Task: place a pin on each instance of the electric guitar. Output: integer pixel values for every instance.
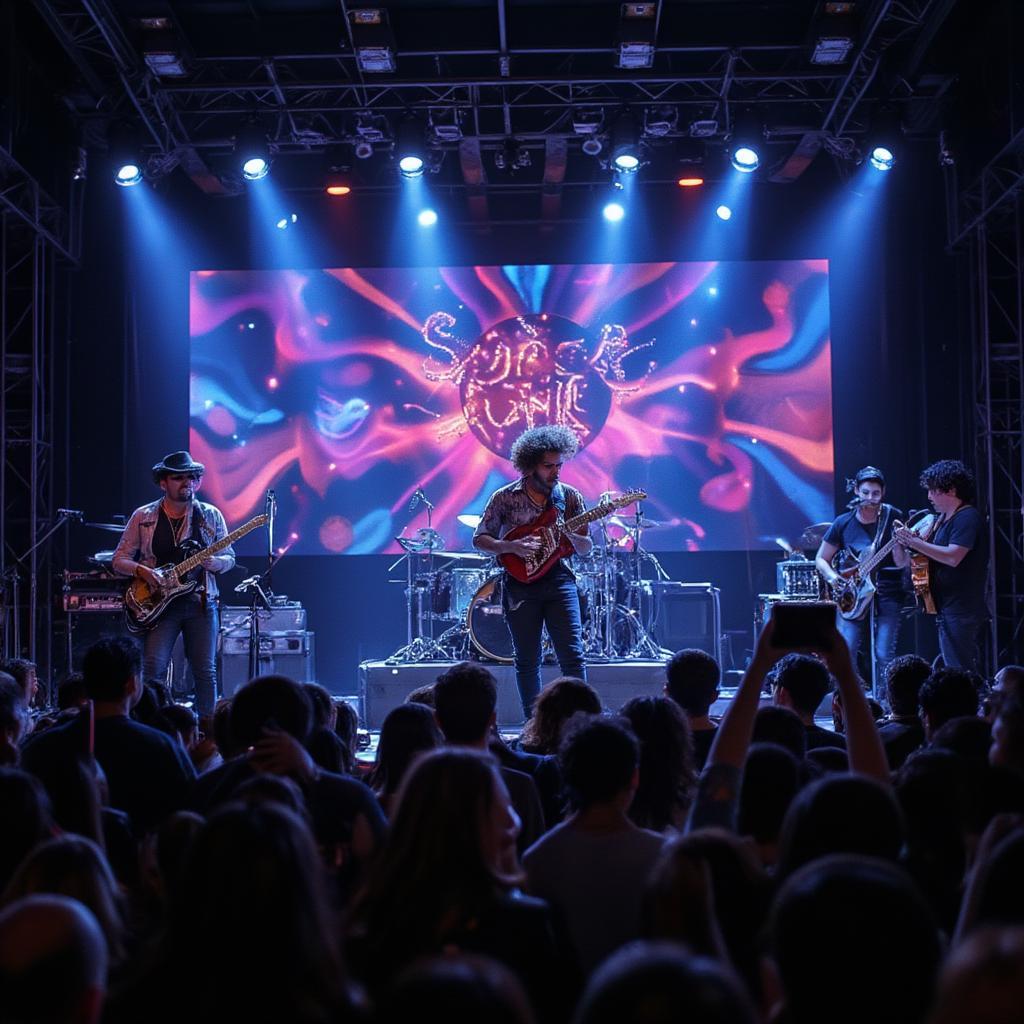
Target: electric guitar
(143, 605)
(854, 589)
(554, 540)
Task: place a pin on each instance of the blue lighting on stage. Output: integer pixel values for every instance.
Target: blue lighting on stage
(882, 158)
(427, 218)
(128, 175)
(255, 168)
(723, 212)
(745, 159)
(614, 211)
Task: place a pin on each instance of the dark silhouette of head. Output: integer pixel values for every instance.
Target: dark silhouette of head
(947, 693)
(269, 702)
(599, 759)
(783, 727)
(407, 731)
(692, 677)
(464, 701)
(110, 666)
(804, 682)
(904, 677)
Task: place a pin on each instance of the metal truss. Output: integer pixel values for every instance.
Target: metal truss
(28, 314)
(309, 102)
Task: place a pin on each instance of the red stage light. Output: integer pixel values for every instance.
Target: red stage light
(690, 182)
(338, 190)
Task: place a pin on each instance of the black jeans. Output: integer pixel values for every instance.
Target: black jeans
(554, 602)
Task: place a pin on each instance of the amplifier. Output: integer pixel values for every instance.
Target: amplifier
(288, 617)
(93, 592)
(281, 654)
(679, 615)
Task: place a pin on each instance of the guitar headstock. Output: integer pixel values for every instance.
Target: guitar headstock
(628, 498)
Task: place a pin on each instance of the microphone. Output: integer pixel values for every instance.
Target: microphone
(71, 513)
(416, 495)
(271, 503)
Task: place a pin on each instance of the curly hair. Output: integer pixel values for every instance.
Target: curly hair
(529, 447)
(949, 475)
(555, 705)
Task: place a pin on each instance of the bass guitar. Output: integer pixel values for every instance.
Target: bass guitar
(143, 604)
(854, 589)
(553, 534)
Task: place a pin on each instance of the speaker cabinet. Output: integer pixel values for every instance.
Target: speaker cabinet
(684, 615)
(281, 654)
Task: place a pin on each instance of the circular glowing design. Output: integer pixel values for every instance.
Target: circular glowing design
(427, 218)
(882, 158)
(627, 161)
(745, 159)
(255, 167)
(614, 212)
(411, 166)
(723, 212)
(128, 174)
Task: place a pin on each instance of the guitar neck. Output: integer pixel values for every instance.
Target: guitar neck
(193, 561)
(877, 557)
(597, 512)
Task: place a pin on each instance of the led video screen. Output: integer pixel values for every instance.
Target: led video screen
(708, 385)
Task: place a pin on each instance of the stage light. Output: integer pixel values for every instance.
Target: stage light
(746, 136)
(409, 149)
(882, 158)
(723, 212)
(427, 218)
(745, 159)
(625, 144)
(614, 211)
(338, 190)
(285, 221)
(252, 152)
(128, 174)
(690, 181)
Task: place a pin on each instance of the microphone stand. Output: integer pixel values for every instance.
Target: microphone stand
(258, 596)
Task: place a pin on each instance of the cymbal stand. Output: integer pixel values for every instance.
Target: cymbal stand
(644, 644)
(422, 646)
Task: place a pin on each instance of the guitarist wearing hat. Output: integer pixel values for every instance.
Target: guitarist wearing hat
(166, 532)
(854, 537)
(552, 600)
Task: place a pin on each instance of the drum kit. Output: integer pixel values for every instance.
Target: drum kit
(455, 609)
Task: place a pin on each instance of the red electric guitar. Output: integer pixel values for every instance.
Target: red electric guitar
(554, 544)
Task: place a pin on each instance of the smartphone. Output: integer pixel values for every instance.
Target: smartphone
(803, 624)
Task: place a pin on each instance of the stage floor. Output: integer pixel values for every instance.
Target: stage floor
(383, 686)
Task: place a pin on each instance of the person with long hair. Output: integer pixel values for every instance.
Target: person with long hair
(667, 775)
(447, 878)
(407, 731)
(557, 702)
(249, 935)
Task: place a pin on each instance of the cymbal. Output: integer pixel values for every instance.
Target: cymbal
(469, 556)
(813, 534)
(101, 558)
(469, 520)
(631, 524)
(113, 527)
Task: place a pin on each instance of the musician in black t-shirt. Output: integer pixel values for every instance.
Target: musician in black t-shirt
(854, 537)
(958, 551)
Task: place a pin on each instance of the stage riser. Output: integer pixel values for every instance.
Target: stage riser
(383, 687)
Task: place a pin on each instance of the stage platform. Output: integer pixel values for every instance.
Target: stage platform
(383, 686)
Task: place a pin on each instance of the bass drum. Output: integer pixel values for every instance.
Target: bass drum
(487, 626)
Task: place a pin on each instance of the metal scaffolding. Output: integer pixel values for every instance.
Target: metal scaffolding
(36, 240)
(987, 221)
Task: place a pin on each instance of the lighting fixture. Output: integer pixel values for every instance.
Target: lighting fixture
(625, 145)
(252, 152)
(746, 137)
(882, 158)
(637, 31)
(373, 40)
(723, 212)
(427, 218)
(614, 211)
(409, 149)
(834, 30)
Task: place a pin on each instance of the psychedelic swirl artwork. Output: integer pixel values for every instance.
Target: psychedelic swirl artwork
(345, 390)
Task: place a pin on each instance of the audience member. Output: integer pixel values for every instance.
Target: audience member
(14, 720)
(903, 733)
(447, 878)
(662, 983)
(1007, 749)
(667, 777)
(840, 814)
(53, 962)
(556, 703)
(465, 703)
(27, 819)
(251, 906)
(782, 727)
(822, 761)
(421, 695)
(71, 692)
(75, 867)
(23, 672)
(945, 694)
(148, 773)
(270, 721)
(771, 780)
(801, 684)
(692, 679)
(458, 989)
(982, 981)
(1007, 680)
(593, 867)
(969, 736)
(407, 731)
(832, 913)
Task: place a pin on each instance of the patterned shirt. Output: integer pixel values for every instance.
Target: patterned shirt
(511, 506)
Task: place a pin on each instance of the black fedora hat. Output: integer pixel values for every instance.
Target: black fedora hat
(177, 462)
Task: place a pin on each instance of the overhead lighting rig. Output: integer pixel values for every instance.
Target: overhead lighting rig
(637, 31)
(373, 40)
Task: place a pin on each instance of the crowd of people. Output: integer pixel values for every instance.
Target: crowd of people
(648, 863)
